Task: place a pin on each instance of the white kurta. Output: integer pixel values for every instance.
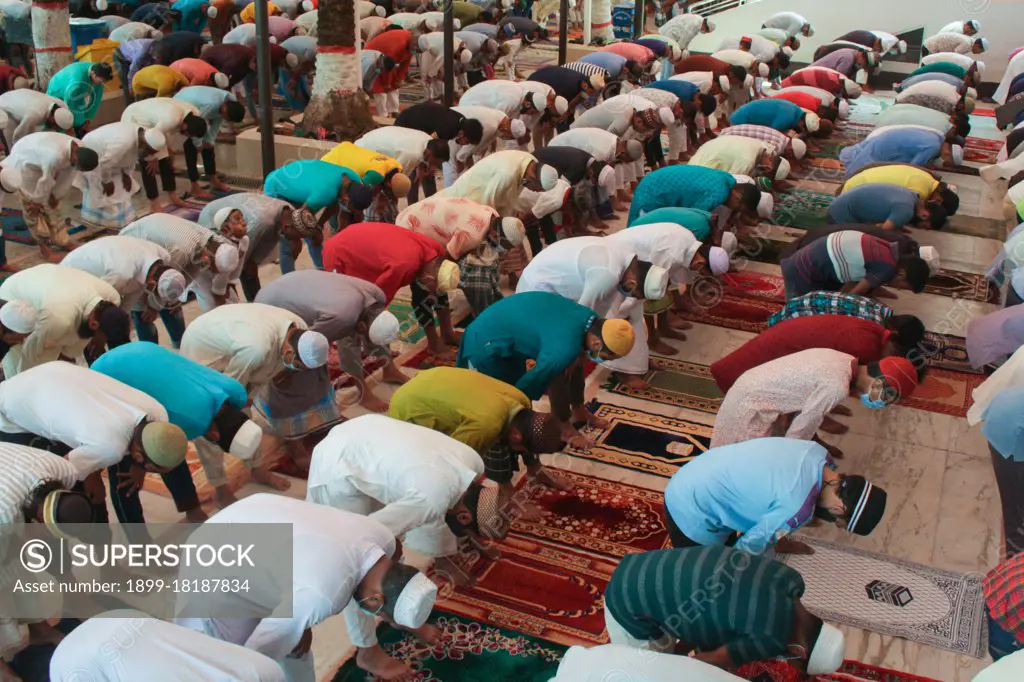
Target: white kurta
(702, 79)
(27, 111)
(122, 262)
(44, 160)
(964, 60)
(953, 27)
(618, 663)
(495, 181)
(505, 96)
(583, 269)
(406, 477)
(406, 145)
(159, 652)
(63, 297)
(89, 412)
(490, 119)
(682, 29)
(790, 22)
(598, 143)
(950, 42)
(117, 145)
(762, 48)
(940, 89)
(165, 114)
(1009, 374)
(332, 551)
(889, 41)
(1013, 69)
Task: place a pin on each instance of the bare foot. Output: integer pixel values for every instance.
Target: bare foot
(662, 348)
(224, 497)
(842, 411)
(176, 200)
(441, 351)
(576, 439)
(582, 414)
(393, 375)
(677, 322)
(155, 207)
(791, 546)
(427, 633)
(546, 477)
(218, 185)
(528, 511)
(275, 481)
(7, 267)
(453, 339)
(670, 332)
(200, 193)
(375, 661)
(619, 207)
(372, 402)
(830, 425)
(634, 381)
(196, 515)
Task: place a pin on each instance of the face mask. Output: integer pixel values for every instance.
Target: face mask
(624, 290)
(876, 404)
(595, 357)
(368, 612)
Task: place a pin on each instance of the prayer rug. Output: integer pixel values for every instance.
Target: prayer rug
(651, 443)
(802, 208)
(945, 351)
(980, 150)
(851, 671)
(599, 516)
(467, 650)
(234, 469)
(537, 588)
(409, 329)
(676, 382)
(973, 226)
(882, 594)
(15, 230)
(755, 285)
(945, 392)
(820, 170)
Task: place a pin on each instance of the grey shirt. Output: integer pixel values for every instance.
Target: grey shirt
(261, 217)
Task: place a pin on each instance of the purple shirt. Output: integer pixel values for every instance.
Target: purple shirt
(995, 336)
(842, 61)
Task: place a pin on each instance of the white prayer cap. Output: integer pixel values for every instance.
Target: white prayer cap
(607, 177)
(958, 155)
(930, 255)
(465, 56)
(548, 177)
(799, 147)
(210, 12)
(828, 652)
(656, 283)
(748, 82)
(712, 121)
(723, 82)
(170, 286)
(766, 205)
(561, 105)
(415, 602)
(540, 102)
(518, 129)
(63, 118)
(313, 348)
(844, 109)
(226, 258)
(307, 5)
(292, 60)
(21, 82)
(718, 260)
(596, 81)
(246, 442)
(872, 60)
(221, 217)
(667, 117)
(379, 11)
(710, 23)
(981, 67)
(19, 317)
(634, 149)
(861, 78)
(783, 172)
(102, 5)
(763, 70)
(513, 230)
(853, 90)
(810, 30)
(902, 46)
(10, 179)
(221, 80)
(975, 24)
(788, 51)
(812, 122)
(654, 68)
(448, 275)
(674, 53)
(384, 328)
(983, 42)
(155, 139)
(730, 243)
(273, 40)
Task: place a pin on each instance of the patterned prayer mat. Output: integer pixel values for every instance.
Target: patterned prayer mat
(879, 593)
(945, 392)
(651, 443)
(538, 588)
(736, 312)
(820, 170)
(981, 150)
(676, 382)
(851, 671)
(802, 208)
(600, 516)
(945, 351)
(468, 650)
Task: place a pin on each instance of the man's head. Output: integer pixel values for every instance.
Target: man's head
(151, 141)
(744, 197)
(83, 158)
(880, 384)
(608, 339)
(17, 320)
(193, 125)
(235, 433)
(101, 73)
(707, 26)
(980, 45)
(782, 61)
(60, 118)
(436, 153)
(737, 76)
(807, 30)
(540, 177)
(505, 233)
(816, 647)
(402, 593)
(50, 503)
(948, 198)
(850, 501)
(158, 446)
(164, 286)
(628, 150)
(971, 27)
(912, 272)
(906, 332)
(296, 224)
(438, 276)
(511, 129)
(951, 154)
(379, 325)
(534, 432)
(106, 324)
(232, 111)
(470, 131)
(230, 222)
(706, 102)
(304, 349)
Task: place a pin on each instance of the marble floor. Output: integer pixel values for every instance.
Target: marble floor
(944, 507)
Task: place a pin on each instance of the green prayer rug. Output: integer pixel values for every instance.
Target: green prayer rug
(676, 382)
(974, 226)
(802, 208)
(468, 650)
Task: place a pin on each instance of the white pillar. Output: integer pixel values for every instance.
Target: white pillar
(588, 15)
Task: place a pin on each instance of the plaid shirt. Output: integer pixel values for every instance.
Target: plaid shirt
(833, 303)
(763, 133)
(1004, 595)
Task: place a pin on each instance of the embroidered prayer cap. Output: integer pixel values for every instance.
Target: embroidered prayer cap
(868, 506)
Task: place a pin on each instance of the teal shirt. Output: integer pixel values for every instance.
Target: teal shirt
(941, 67)
(683, 186)
(533, 325)
(73, 85)
(693, 219)
(314, 183)
(191, 393)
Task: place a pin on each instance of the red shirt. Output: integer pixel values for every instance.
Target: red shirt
(851, 335)
(394, 44)
(1004, 595)
(387, 255)
(804, 100)
(703, 62)
(7, 76)
(825, 79)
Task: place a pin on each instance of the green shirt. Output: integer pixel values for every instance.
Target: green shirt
(466, 12)
(941, 67)
(708, 597)
(693, 219)
(73, 85)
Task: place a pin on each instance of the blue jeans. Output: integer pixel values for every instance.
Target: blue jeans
(173, 321)
(300, 99)
(249, 86)
(1000, 642)
(284, 255)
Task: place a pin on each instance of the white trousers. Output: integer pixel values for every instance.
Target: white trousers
(618, 635)
(386, 103)
(299, 669)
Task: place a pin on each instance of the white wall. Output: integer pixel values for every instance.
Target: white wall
(1002, 22)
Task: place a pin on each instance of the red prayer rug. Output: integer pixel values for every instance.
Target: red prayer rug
(852, 671)
(981, 150)
(945, 391)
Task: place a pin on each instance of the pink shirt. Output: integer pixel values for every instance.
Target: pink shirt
(630, 51)
(458, 224)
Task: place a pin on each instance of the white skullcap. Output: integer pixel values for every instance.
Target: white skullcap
(902, 46)
(596, 81)
(763, 70)
(766, 205)
(20, 82)
(415, 602)
(983, 42)
(799, 147)
(872, 60)
(210, 12)
(307, 5)
(975, 24)
(448, 275)
(540, 102)
(63, 118)
(723, 82)
(10, 179)
(783, 172)
(718, 260)
(788, 51)
(861, 78)
(844, 109)
(634, 149)
(971, 93)
(170, 286)
(748, 82)
(729, 243)
(492, 45)
(667, 117)
(548, 177)
(465, 56)
(155, 139)
(828, 651)
(379, 11)
(221, 80)
(712, 121)
(246, 442)
(654, 68)
(710, 24)
(102, 5)
(607, 178)
(313, 348)
(930, 255)
(518, 129)
(742, 179)
(221, 217)
(273, 40)
(674, 53)
(561, 105)
(812, 122)
(810, 30)
(19, 316)
(853, 90)
(291, 60)
(656, 283)
(384, 329)
(226, 258)
(958, 155)
(981, 67)
(513, 230)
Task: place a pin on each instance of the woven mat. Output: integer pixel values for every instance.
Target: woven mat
(939, 608)
(675, 382)
(851, 671)
(802, 208)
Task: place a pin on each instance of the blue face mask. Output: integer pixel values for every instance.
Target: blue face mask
(595, 358)
(624, 290)
(876, 404)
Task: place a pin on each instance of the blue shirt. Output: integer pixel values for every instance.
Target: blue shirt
(773, 113)
(763, 488)
(1003, 426)
(684, 90)
(191, 393)
(921, 78)
(208, 100)
(874, 203)
(681, 186)
(609, 61)
(905, 145)
(313, 183)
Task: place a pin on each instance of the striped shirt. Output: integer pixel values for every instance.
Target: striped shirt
(833, 303)
(587, 69)
(23, 469)
(183, 239)
(1004, 595)
(708, 597)
(262, 220)
(763, 133)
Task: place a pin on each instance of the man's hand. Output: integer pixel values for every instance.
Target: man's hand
(302, 648)
(296, 248)
(131, 480)
(108, 189)
(149, 315)
(94, 488)
(152, 166)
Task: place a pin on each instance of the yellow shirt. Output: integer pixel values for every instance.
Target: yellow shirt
(912, 178)
(371, 166)
(157, 80)
(248, 15)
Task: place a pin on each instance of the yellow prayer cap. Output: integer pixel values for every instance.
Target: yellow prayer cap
(165, 444)
(447, 277)
(400, 185)
(618, 336)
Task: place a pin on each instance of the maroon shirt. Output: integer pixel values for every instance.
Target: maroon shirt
(231, 60)
(704, 62)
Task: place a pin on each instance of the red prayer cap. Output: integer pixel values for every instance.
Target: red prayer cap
(899, 374)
